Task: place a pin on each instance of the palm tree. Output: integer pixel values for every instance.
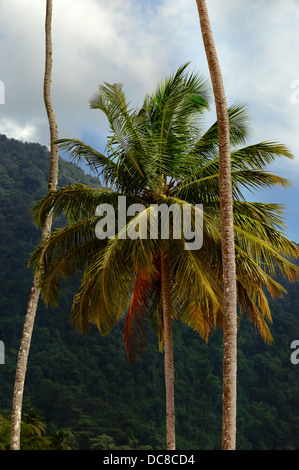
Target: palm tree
(33, 423)
(160, 154)
(228, 244)
(60, 441)
(35, 289)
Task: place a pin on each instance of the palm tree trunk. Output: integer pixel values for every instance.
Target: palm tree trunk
(228, 249)
(35, 290)
(168, 355)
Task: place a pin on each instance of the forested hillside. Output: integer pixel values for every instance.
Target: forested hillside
(84, 384)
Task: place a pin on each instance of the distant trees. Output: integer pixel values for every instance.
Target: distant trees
(105, 442)
(4, 433)
(34, 422)
(33, 434)
(60, 441)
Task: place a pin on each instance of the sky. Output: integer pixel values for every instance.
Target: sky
(138, 43)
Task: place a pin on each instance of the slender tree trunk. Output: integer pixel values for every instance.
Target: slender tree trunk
(35, 290)
(168, 357)
(228, 248)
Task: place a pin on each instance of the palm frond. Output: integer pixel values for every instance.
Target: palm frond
(196, 286)
(65, 253)
(138, 319)
(77, 201)
(79, 152)
(127, 125)
(173, 110)
(257, 156)
(207, 145)
(249, 303)
(266, 222)
(203, 186)
(266, 255)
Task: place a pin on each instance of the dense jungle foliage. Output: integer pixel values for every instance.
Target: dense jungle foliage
(80, 391)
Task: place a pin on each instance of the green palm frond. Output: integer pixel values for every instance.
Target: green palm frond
(206, 146)
(86, 312)
(250, 268)
(77, 201)
(247, 173)
(203, 187)
(257, 156)
(110, 277)
(129, 138)
(257, 308)
(267, 256)
(64, 254)
(79, 152)
(265, 221)
(173, 110)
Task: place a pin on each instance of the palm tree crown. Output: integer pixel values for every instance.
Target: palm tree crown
(160, 154)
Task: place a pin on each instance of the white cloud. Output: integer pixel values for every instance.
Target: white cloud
(26, 133)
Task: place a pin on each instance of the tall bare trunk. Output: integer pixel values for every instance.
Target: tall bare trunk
(35, 290)
(228, 248)
(168, 355)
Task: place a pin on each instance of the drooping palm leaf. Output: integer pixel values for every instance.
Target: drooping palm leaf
(137, 321)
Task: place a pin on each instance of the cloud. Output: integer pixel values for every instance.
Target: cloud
(133, 42)
(27, 133)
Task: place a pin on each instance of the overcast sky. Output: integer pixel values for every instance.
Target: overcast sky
(138, 43)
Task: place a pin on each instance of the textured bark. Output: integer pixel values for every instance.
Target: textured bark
(228, 248)
(53, 172)
(168, 355)
(35, 290)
